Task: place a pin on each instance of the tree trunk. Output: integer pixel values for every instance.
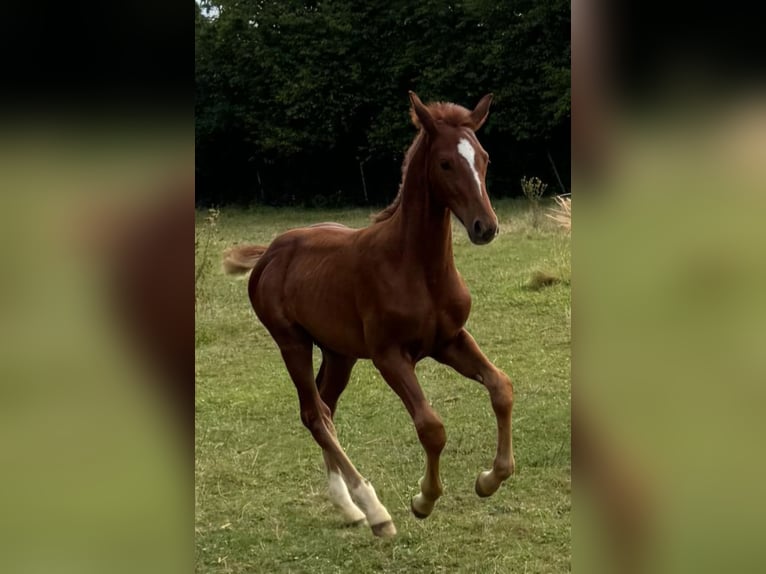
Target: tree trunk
(364, 183)
(561, 185)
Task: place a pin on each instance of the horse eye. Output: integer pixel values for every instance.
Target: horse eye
(445, 165)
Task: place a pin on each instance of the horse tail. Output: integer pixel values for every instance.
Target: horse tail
(241, 259)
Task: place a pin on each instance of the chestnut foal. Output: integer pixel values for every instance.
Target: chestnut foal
(389, 292)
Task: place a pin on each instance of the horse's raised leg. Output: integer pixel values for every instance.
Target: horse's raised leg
(399, 373)
(317, 417)
(464, 355)
(331, 381)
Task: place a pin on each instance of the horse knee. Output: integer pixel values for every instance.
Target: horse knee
(431, 432)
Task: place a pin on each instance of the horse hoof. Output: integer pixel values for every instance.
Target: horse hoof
(384, 529)
(356, 523)
(481, 490)
(422, 512)
(416, 512)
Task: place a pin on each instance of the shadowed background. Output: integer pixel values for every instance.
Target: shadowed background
(305, 103)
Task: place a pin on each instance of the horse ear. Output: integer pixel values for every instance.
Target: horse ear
(481, 111)
(420, 114)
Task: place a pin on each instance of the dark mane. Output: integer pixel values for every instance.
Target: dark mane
(446, 112)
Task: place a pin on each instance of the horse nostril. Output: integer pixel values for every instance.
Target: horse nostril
(477, 229)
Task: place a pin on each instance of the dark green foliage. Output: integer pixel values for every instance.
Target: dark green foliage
(297, 101)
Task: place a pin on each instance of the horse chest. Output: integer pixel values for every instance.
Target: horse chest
(426, 322)
(452, 314)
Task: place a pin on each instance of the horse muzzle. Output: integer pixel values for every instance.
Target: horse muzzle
(482, 232)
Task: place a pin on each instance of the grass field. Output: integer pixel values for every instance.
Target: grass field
(261, 501)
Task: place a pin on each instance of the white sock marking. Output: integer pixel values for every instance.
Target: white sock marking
(341, 499)
(465, 149)
(365, 497)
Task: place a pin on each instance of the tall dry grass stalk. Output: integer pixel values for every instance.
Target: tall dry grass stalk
(563, 213)
(534, 189)
(202, 241)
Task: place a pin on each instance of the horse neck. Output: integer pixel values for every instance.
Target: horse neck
(424, 223)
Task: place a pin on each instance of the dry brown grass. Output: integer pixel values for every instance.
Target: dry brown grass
(540, 279)
(563, 213)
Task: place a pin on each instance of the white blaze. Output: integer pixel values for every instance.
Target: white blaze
(465, 149)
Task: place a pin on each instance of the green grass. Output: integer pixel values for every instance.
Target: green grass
(260, 482)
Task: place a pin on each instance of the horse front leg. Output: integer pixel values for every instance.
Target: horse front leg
(464, 355)
(399, 373)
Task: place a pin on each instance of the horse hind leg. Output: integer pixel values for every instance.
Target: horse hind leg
(331, 381)
(333, 377)
(340, 497)
(296, 351)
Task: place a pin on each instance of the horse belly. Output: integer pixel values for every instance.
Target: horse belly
(336, 329)
(325, 307)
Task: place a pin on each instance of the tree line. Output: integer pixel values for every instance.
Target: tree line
(305, 102)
